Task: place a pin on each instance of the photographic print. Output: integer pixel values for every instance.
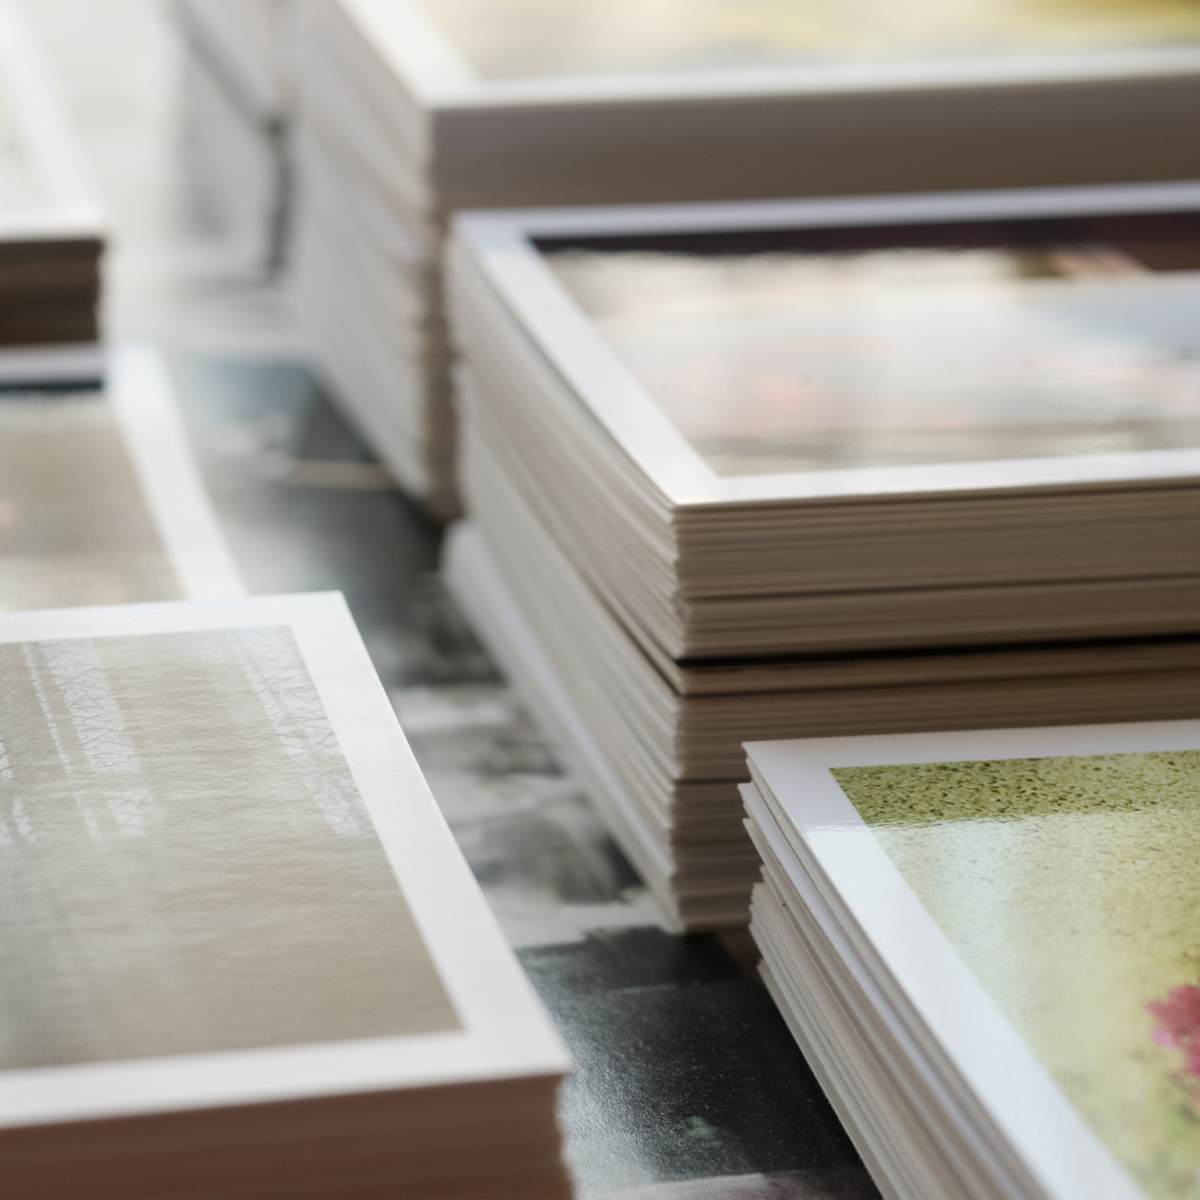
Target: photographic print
(75, 525)
(1068, 886)
(187, 861)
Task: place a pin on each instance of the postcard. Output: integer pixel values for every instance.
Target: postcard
(1034, 893)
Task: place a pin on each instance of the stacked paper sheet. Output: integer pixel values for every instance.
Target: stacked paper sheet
(983, 944)
(297, 989)
(237, 121)
(100, 501)
(51, 230)
(823, 398)
(410, 109)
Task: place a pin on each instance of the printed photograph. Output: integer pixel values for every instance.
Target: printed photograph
(192, 863)
(776, 361)
(1068, 886)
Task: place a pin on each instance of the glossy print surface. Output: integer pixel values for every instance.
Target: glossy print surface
(774, 361)
(1069, 888)
(188, 866)
(515, 39)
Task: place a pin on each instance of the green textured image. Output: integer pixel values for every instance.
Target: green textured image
(1071, 889)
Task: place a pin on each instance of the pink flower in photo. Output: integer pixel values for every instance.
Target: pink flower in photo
(1178, 1024)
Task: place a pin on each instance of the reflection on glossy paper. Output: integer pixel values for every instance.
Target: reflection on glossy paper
(799, 361)
(74, 524)
(507, 39)
(1069, 888)
(186, 864)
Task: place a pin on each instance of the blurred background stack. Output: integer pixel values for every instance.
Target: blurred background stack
(409, 109)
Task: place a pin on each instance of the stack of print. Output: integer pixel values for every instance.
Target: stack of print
(985, 945)
(826, 467)
(297, 988)
(237, 97)
(51, 230)
(412, 108)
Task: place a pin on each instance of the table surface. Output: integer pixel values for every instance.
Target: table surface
(687, 1082)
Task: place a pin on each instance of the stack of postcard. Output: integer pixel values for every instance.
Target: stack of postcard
(51, 230)
(100, 501)
(237, 112)
(772, 470)
(985, 945)
(412, 108)
(295, 987)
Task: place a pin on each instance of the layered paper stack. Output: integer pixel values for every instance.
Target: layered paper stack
(826, 468)
(295, 987)
(410, 109)
(100, 500)
(52, 232)
(237, 110)
(985, 945)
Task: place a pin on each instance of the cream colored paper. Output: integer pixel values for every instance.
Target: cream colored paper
(186, 863)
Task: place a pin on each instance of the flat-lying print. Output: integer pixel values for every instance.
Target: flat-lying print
(186, 864)
(778, 361)
(1069, 887)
